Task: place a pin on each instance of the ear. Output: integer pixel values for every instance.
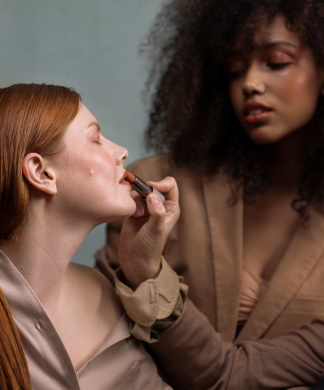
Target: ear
(39, 174)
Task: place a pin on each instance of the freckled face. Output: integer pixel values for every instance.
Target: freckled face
(274, 89)
(89, 172)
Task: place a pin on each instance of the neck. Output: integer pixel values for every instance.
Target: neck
(42, 252)
(286, 161)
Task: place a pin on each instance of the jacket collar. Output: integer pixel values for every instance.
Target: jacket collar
(301, 257)
(226, 232)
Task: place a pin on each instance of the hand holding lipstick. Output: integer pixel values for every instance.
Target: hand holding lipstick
(144, 235)
(141, 187)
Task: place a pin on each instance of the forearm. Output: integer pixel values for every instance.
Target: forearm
(193, 356)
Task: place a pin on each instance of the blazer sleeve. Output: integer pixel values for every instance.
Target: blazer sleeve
(194, 357)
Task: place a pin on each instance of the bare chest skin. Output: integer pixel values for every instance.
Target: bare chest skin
(86, 316)
(269, 226)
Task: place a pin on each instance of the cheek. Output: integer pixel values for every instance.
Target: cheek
(100, 171)
(302, 95)
(300, 88)
(94, 170)
(236, 98)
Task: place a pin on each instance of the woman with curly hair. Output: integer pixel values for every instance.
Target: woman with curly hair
(237, 115)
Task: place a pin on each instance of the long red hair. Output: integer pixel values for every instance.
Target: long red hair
(33, 118)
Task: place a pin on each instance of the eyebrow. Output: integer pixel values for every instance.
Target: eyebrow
(96, 125)
(269, 45)
(265, 46)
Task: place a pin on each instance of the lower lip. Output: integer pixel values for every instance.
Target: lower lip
(124, 182)
(258, 118)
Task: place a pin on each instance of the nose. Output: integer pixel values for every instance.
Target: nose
(120, 154)
(253, 82)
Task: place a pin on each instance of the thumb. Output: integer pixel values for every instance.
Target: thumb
(157, 211)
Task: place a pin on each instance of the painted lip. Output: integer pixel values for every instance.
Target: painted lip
(123, 179)
(256, 113)
(140, 186)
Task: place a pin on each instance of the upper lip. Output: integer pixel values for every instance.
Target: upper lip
(123, 177)
(250, 106)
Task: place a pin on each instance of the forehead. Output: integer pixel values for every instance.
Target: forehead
(82, 120)
(264, 34)
(80, 127)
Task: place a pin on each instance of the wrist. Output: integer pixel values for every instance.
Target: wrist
(135, 277)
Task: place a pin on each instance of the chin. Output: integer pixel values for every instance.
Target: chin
(117, 212)
(128, 209)
(262, 141)
(261, 136)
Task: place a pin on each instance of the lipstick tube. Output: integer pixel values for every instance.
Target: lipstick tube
(141, 187)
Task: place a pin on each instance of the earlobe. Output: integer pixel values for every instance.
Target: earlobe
(38, 174)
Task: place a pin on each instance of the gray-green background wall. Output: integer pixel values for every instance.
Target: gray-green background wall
(92, 46)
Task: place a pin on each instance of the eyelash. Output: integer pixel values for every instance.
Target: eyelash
(278, 65)
(274, 66)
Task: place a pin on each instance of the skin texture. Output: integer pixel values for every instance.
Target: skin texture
(57, 224)
(141, 259)
(291, 89)
(71, 193)
(96, 162)
(292, 92)
(191, 116)
(280, 74)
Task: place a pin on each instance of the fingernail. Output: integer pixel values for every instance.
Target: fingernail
(153, 199)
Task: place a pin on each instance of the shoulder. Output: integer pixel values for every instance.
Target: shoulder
(88, 280)
(93, 289)
(85, 273)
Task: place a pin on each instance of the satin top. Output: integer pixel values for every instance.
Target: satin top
(122, 363)
(252, 289)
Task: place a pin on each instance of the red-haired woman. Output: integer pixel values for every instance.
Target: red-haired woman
(59, 178)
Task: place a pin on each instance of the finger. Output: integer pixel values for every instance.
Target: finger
(168, 186)
(141, 208)
(156, 222)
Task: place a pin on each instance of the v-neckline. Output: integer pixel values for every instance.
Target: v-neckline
(226, 234)
(31, 317)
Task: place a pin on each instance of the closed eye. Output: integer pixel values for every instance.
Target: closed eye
(278, 65)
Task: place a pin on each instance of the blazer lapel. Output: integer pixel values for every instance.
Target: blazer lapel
(226, 235)
(300, 258)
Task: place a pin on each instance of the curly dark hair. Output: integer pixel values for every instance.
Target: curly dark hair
(190, 112)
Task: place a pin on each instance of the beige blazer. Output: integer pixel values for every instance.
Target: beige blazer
(206, 247)
(194, 357)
